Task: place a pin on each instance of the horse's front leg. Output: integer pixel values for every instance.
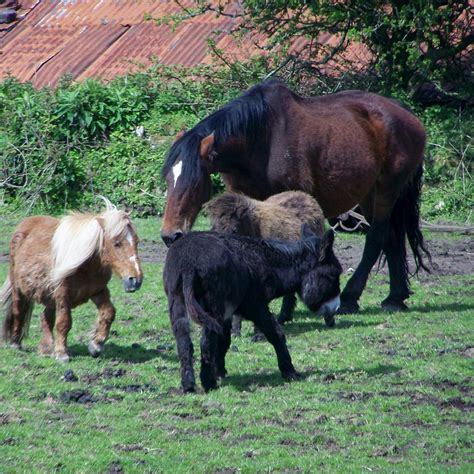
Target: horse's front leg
(47, 318)
(356, 284)
(63, 325)
(103, 323)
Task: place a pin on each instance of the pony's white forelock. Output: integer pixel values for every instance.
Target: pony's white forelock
(81, 235)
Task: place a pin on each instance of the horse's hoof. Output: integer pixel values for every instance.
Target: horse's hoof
(15, 345)
(348, 307)
(95, 349)
(61, 357)
(291, 376)
(235, 333)
(394, 306)
(189, 389)
(330, 321)
(258, 337)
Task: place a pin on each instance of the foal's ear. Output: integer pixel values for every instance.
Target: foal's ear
(206, 146)
(179, 135)
(326, 245)
(306, 232)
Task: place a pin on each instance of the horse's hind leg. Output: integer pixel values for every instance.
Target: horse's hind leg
(180, 326)
(63, 325)
(20, 313)
(287, 307)
(47, 319)
(395, 251)
(104, 321)
(223, 344)
(208, 373)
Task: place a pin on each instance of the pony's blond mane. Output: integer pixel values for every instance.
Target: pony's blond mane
(80, 235)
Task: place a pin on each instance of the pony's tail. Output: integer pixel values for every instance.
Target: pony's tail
(195, 310)
(405, 220)
(6, 304)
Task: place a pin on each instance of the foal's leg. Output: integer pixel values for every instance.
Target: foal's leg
(287, 307)
(180, 325)
(63, 325)
(223, 344)
(208, 373)
(47, 318)
(272, 330)
(104, 321)
(20, 307)
(236, 325)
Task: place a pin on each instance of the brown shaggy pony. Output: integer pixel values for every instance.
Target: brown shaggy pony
(62, 263)
(279, 217)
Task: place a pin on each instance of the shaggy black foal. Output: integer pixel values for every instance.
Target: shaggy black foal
(209, 277)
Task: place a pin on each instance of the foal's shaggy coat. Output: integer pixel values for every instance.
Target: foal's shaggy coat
(209, 276)
(279, 217)
(62, 264)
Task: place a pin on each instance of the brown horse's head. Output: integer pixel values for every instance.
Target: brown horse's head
(188, 183)
(120, 248)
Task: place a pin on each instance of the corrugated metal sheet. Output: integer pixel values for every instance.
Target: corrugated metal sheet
(103, 38)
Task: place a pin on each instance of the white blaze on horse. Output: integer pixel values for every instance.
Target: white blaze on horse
(63, 263)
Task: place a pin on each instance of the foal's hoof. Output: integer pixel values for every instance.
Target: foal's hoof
(61, 357)
(348, 307)
(330, 321)
(95, 349)
(394, 306)
(258, 337)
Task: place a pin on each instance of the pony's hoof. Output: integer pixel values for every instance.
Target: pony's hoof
(189, 389)
(235, 333)
(45, 350)
(61, 357)
(15, 345)
(95, 349)
(394, 306)
(348, 307)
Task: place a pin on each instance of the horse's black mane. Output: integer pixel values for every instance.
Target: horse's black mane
(246, 116)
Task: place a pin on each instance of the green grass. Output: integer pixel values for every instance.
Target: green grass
(379, 393)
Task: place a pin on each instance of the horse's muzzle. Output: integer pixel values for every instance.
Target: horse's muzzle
(168, 239)
(132, 284)
(330, 307)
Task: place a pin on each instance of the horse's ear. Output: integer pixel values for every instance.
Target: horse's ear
(206, 145)
(179, 135)
(326, 245)
(101, 222)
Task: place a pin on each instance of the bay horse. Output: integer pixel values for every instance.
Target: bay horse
(62, 263)
(344, 149)
(208, 277)
(279, 217)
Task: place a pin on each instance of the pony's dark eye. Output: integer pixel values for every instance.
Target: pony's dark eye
(117, 244)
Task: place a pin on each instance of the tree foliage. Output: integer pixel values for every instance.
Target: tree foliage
(410, 43)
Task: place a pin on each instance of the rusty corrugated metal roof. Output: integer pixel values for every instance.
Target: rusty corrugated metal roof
(103, 38)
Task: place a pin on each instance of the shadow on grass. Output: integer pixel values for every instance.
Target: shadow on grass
(427, 308)
(252, 382)
(134, 353)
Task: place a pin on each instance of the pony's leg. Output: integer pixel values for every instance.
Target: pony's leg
(372, 249)
(236, 325)
(180, 325)
(19, 314)
(223, 344)
(63, 325)
(208, 373)
(395, 251)
(103, 323)
(287, 307)
(273, 331)
(47, 318)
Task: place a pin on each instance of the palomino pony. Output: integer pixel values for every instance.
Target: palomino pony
(62, 264)
(344, 149)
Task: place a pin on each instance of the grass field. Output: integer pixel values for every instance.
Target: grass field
(379, 393)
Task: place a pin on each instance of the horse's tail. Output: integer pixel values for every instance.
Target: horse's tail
(6, 304)
(194, 309)
(405, 220)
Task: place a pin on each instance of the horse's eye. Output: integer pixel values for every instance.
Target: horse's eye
(117, 244)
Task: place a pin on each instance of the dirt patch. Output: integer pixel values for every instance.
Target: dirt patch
(450, 256)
